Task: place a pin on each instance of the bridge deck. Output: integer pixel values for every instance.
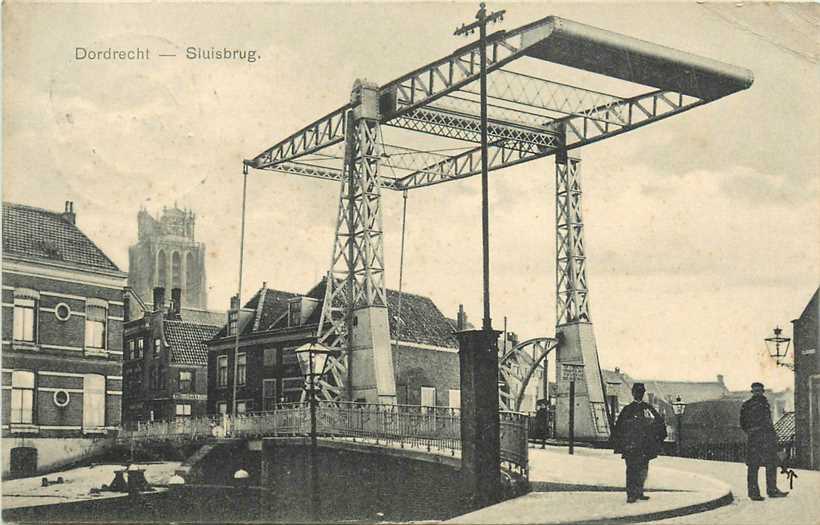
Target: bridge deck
(433, 430)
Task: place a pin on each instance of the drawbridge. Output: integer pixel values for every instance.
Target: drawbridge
(423, 129)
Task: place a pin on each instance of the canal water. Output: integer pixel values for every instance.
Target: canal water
(353, 487)
(224, 504)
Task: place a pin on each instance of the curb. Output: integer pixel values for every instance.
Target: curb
(695, 508)
(715, 494)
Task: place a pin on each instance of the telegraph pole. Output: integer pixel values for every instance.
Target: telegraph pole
(482, 19)
(478, 349)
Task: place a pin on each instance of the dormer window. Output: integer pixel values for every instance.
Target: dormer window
(295, 312)
(232, 317)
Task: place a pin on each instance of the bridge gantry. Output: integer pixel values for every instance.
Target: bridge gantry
(529, 117)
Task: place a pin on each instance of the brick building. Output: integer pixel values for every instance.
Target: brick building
(274, 323)
(62, 340)
(807, 384)
(165, 372)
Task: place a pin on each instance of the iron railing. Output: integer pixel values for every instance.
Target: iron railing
(433, 429)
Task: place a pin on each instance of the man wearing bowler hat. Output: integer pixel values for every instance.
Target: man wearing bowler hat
(638, 436)
(761, 443)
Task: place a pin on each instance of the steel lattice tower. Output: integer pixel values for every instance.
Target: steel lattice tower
(355, 303)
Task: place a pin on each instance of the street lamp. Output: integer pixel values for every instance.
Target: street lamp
(679, 407)
(312, 360)
(778, 347)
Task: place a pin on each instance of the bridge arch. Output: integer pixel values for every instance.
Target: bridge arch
(516, 368)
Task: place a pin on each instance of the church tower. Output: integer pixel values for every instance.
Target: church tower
(167, 255)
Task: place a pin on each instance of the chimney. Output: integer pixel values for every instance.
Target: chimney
(617, 370)
(126, 306)
(461, 318)
(159, 298)
(68, 215)
(176, 301)
(720, 379)
(234, 302)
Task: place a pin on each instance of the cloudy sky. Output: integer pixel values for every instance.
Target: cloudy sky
(702, 231)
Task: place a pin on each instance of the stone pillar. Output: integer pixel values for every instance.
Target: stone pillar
(480, 427)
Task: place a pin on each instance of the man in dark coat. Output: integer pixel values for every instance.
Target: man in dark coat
(638, 435)
(761, 443)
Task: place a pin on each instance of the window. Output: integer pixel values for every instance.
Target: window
(222, 370)
(428, 396)
(93, 401)
(183, 410)
(455, 398)
(95, 317)
(25, 320)
(157, 347)
(140, 348)
(152, 378)
(61, 398)
(292, 388)
(243, 407)
(185, 380)
(22, 397)
(232, 316)
(222, 408)
(269, 357)
(268, 394)
(163, 378)
(241, 368)
(62, 312)
(295, 313)
(162, 273)
(132, 345)
(289, 357)
(176, 270)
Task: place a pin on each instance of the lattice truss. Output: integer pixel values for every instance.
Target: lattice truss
(432, 115)
(570, 267)
(517, 368)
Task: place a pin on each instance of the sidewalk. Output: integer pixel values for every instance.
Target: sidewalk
(28, 492)
(588, 487)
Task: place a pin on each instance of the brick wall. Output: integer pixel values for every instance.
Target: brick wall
(58, 358)
(807, 364)
(417, 367)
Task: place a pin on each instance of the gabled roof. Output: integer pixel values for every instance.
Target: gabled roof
(35, 233)
(689, 391)
(811, 306)
(267, 305)
(187, 341)
(716, 421)
(421, 321)
(785, 427)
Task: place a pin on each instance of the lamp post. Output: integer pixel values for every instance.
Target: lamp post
(678, 407)
(312, 360)
(778, 347)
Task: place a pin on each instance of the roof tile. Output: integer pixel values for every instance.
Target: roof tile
(187, 341)
(42, 234)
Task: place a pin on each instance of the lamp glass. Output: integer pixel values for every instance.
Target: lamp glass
(318, 352)
(777, 345)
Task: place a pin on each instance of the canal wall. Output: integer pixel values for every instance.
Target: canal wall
(33, 455)
(356, 482)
